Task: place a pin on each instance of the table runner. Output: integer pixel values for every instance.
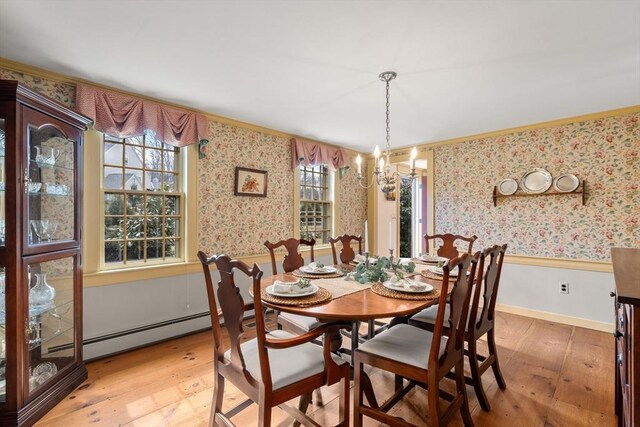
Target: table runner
(340, 287)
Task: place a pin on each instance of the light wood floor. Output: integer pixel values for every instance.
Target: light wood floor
(556, 375)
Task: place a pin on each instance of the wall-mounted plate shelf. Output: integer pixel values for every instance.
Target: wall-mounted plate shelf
(551, 192)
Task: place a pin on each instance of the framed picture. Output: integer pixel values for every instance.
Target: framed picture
(250, 182)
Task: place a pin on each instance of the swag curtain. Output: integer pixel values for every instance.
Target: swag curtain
(125, 116)
(311, 153)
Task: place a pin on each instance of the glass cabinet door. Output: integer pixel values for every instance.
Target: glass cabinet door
(49, 326)
(3, 181)
(3, 338)
(50, 184)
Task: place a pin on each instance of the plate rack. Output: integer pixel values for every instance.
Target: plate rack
(550, 192)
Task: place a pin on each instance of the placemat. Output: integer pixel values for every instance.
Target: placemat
(430, 275)
(299, 273)
(379, 289)
(321, 296)
(340, 287)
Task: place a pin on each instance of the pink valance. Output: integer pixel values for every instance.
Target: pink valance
(310, 153)
(125, 116)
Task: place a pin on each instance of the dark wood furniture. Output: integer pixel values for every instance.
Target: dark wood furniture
(582, 190)
(481, 321)
(347, 254)
(40, 253)
(271, 368)
(626, 270)
(422, 357)
(448, 248)
(292, 260)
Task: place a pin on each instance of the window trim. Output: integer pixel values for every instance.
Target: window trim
(334, 200)
(96, 272)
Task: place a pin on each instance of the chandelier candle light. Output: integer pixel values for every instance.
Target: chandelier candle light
(382, 175)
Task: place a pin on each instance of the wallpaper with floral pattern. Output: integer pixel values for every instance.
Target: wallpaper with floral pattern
(353, 203)
(64, 93)
(240, 225)
(604, 152)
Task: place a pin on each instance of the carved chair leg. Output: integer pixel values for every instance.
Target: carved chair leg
(357, 394)
(476, 376)
(305, 399)
(218, 397)
(491, 341)
(433, 388)
(462, 389)
(264, 411)
(345, 390)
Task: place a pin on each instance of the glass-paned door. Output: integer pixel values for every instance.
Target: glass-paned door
(49, 326)
(50, 183)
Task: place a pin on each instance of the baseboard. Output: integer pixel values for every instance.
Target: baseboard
(557, 318)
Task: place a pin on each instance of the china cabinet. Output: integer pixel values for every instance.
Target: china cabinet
(40, 253)
(626, 270)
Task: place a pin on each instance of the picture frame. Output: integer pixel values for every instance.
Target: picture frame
(250, 182)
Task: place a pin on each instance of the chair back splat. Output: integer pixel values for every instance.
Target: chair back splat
(292, 258)
(347, 253)
(448, 248)
(459, 301)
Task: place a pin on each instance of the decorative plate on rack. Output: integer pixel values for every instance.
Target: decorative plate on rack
(536, 181)
(566, 183)
(507, 187)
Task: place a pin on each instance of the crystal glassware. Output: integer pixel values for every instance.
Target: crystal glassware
(42, 294)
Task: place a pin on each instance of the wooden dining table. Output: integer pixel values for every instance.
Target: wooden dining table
(361, 305)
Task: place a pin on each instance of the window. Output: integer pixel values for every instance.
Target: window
(142, 200)
(316, 203)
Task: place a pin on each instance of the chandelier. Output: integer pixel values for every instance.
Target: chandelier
(382, 175)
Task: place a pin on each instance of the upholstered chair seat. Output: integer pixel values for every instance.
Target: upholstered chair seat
(301, 323)
(404, 344)
(428, 315)
(288, 365)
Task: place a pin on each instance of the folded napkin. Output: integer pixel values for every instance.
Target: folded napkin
(362, 258)
(408, 284)
(288, 287)
(316, 267)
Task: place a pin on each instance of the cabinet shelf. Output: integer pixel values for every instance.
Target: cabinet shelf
(39, 193)
(48, 166)
(580, 190)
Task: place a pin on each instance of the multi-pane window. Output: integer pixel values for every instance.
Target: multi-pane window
(142, 200)
(316, 204)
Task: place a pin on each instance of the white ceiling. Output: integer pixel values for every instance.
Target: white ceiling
(311, 67)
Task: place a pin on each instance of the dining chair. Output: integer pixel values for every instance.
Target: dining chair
(347, 254)
(292, 260)
(273, 367)
(423, 358)
(448, 248)
(481, 321)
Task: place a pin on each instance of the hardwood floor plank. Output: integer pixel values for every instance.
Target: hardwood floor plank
(170, 384)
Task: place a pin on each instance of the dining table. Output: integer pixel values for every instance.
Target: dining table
(358, 303)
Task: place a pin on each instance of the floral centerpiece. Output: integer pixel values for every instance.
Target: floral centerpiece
(379, 272)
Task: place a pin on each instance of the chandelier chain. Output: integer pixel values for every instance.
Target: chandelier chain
(388, 147)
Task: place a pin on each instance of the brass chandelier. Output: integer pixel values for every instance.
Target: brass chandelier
(387, 181)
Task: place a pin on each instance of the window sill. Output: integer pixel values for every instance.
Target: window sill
(115, 276)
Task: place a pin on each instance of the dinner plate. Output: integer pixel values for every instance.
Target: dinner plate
(439, 271)
(507, 187)
(312, 290)
(536, 181)
(566, 183)
(394, 287)
(433, 258)
(325, 270)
